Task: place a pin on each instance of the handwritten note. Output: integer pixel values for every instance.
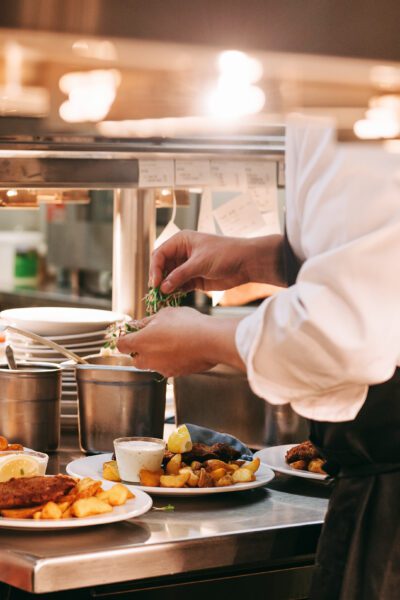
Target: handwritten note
(192, 172)
(227, 174)
(156, 173)
(240, 217)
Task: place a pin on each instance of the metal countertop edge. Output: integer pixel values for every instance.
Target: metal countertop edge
(155, 560)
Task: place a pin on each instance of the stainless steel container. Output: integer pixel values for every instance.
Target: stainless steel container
(30, 405)
(117, 400)
(223, 400)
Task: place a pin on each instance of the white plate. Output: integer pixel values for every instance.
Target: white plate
(63, 320)
(92, 466)
(75, 338)
(42, 348)
(274, 458)
(43, 352)
(133, 508)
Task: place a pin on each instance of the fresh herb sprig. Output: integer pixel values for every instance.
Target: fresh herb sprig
(155, 300)
(116, 331)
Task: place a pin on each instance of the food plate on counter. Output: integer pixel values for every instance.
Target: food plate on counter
(274, 458)
(92, 466)
(134, 507)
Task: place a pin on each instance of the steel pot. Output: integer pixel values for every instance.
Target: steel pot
(117, 400)
(30, 405)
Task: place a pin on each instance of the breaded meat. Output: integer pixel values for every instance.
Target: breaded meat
(304, 451)
(29, 491)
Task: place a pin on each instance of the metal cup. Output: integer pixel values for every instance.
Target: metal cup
(117, 400)
(30, 405)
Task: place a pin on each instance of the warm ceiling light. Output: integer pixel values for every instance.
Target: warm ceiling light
(235, 95)
(98, 49)
(90, 94)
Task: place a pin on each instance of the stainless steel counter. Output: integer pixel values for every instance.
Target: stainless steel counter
(263, 529)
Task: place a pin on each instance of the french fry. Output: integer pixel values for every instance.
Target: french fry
(20, 513)
(51, 511)
(316, 466)
(115, 496)
(242, 475)
(150, 478)
(174, 465)
(87, 487)
(67, 514)
(174, 481)
(87, 507)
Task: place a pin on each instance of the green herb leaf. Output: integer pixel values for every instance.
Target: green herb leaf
(167, 508)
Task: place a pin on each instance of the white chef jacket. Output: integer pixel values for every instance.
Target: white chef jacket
(320, 343)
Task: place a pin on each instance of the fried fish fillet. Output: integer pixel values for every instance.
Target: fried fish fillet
(304, 451)
(202, 452)
(30, 491)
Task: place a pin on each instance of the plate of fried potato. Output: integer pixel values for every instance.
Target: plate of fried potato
(306, 462)
(177, 479)
(89, 502)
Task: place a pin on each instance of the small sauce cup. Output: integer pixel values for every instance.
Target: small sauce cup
(136, 453)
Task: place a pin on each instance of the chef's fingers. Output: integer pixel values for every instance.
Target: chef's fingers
(172, 252)
(127, 344)
(183, 278)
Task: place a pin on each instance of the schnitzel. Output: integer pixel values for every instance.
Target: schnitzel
(29, 491)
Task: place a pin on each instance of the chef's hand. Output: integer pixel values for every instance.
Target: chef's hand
(179, 341)
(190, 260)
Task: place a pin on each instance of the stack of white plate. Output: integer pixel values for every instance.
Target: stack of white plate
(81, 330)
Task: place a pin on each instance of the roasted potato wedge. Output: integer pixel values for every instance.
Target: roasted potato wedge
(315, 466)
(3, 443)
(150, 478)
(225, 480)
(174, 465)
(174, 481)
(217, 474)
(193, 479)
(253, 466)
(86, 487)
(204, 479)
(110, 471)
(298, 464)
(115, 496)
(242, 475)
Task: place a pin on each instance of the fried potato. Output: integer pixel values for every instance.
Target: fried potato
(316, 466)
(87, 487)
(242, 475)
(3, 443)
(51, 511)
(254, 465)
(150, 478)
(195, 465)
(110, 471)
(224, 481)
(204, 479)
(14, 447)
(67, 514)
(217, 474)
(115, 496)
(63, 506)
(20, 513)
(299, 464)
(37, 515)
(87, 507)
(174, 465)
(193, 479)
(174, 481)
(214, 463)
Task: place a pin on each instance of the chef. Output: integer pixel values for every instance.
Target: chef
(328, 344)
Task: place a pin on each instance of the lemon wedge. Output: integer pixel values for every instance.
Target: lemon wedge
(18, 466)
(180, 441)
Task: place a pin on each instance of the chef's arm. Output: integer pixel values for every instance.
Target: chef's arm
(190, 260)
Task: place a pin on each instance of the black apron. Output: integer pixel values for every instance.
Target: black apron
(358, 556)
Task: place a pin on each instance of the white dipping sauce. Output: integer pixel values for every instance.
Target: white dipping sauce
(135, 454)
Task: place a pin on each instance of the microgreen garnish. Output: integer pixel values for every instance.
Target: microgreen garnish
(167, 508)
(155, 300)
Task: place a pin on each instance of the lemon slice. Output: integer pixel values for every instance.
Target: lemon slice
(180, 441)
(18, 466)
